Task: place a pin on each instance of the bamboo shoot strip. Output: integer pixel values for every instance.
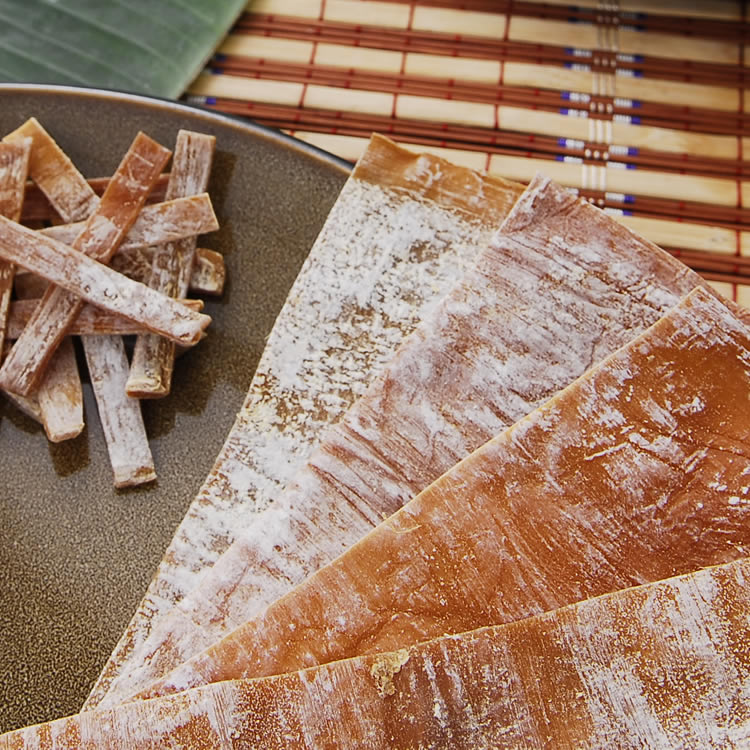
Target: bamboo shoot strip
(58, 400)
(560, 501)
(159, 222)
(14, 168)
(535, 311)
(209, 272)
(208, 276)
(129, 452)
(153, 356)
(60, 396)
(122, 423)
(120, 415)
(103, 231)
(86, 279)
(55, 174)
(661, 665)
(36, 206)
(90, 320)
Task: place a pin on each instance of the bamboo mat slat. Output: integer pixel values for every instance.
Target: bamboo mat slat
(487, 79)
(727, 10)
(642, 107)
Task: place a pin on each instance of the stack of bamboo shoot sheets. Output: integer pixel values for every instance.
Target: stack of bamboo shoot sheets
(640, 106)
(559, 450)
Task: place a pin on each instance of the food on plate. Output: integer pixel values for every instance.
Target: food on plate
(37, 208)
(634, 469)
(55, 174)
(103, 230)
(60, 400)
(658, 665)
(156, 223)
(402, 230)
(637, 471)
(40, 371)
(119, 415)
(207, 277)
(14, 168)
(90, 320)
(534, 312)
(153, 356)
(79, 277)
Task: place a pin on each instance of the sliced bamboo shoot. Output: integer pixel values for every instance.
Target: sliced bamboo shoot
(55, 174)
(153, 357)
(403, 228)
(103, 231)
(60, 395)
(159, 222)
(538, 309)
(208, 276)
(90, 320)
(86, 279)
(120, 417)
(209, 272)
(58, 400)
(635, 472)
(14, 168)
(662, 665)
(36, 206)
(56, 177)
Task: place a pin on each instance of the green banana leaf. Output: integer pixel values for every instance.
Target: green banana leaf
(151, 47)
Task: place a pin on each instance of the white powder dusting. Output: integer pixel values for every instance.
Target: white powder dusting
(530, 335)
(382, 260)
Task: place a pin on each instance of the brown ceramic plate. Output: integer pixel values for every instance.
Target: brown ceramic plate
(76, 555)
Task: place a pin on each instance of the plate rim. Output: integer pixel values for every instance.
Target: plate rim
(241, 126)
(246, 124)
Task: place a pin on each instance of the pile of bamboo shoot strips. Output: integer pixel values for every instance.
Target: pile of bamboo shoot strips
(641, 109)
(101, 259)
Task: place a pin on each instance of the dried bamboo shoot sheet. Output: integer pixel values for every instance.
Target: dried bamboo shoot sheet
(635, 472)
(659, 665)
(533, 314)
(403, 228)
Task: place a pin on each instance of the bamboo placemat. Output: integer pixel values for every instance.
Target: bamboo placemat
(640, 106)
